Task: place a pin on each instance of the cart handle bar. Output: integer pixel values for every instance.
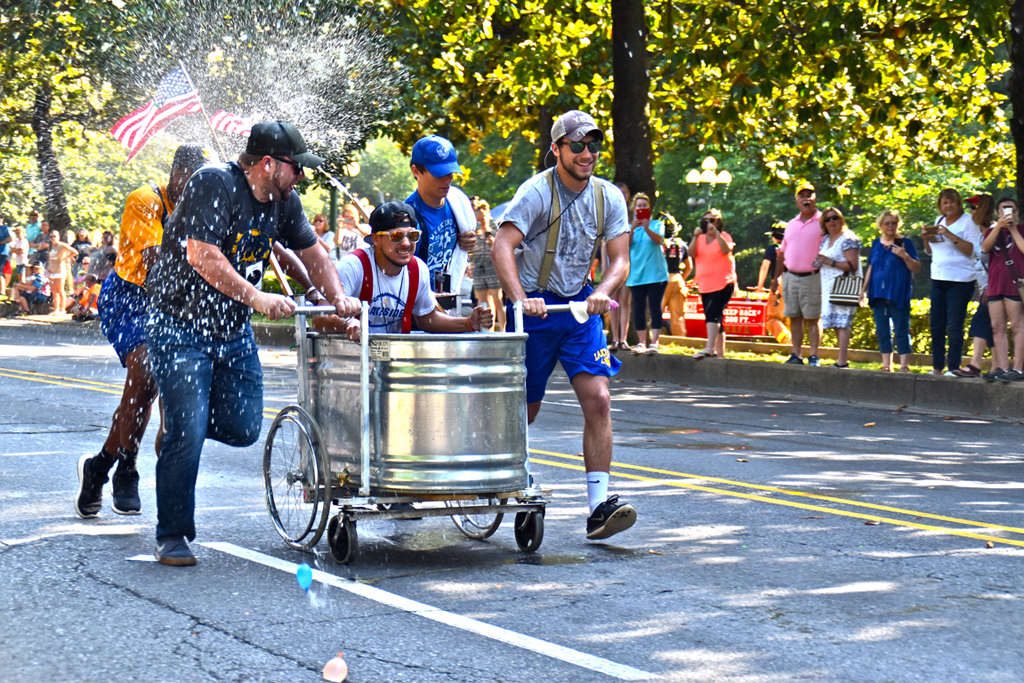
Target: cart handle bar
(314, 310)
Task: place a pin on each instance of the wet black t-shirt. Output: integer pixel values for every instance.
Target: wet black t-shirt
(218, 207)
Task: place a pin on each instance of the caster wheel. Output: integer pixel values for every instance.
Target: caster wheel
(529, 530)
(343, 539)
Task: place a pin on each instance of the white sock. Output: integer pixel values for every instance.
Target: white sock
(597, 489)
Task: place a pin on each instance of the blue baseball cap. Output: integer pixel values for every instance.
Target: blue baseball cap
(437, 154)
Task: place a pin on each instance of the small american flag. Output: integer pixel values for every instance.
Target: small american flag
(175, 96)
(229, 123)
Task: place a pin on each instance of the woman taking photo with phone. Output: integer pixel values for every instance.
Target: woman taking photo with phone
(711, 249)
(648, 273)
(1005, 246)
(954, 243)
(892, 265)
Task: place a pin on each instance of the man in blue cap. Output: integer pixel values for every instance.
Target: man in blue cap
(203, 289)
(446, 215)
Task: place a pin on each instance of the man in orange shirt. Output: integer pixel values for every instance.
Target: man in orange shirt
(123, 309)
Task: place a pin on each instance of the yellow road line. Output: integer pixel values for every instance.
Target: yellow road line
(28, 375)
(830, 499)
(802, 506)
(61, 384)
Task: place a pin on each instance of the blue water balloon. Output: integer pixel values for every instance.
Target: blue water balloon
(304, 575)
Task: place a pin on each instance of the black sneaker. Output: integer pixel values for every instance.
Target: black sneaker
(92, 475)
(609, 518)
(794, 360)
(174, 551)
(1011, 376)
(813, 360)
(125, 485)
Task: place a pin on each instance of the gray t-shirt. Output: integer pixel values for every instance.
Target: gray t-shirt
(530, 211)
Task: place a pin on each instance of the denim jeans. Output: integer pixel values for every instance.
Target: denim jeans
(949, 311)
(884, 311)
(211, 387)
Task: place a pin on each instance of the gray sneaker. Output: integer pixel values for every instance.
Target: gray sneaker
(996, 373)
(174, 551)
(1011, 376)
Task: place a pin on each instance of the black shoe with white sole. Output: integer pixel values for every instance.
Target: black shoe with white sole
(92, 475)
(609, 518)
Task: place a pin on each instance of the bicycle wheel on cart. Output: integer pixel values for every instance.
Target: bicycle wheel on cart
(478, 525)
(296, 478)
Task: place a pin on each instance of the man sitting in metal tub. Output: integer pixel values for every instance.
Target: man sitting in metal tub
(394, 281)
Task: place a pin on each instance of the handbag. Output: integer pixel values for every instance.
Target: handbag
(846, 290)
(1013, 273)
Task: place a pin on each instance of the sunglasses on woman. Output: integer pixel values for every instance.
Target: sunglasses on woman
(831, 218)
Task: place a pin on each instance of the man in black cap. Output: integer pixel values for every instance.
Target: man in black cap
(542, 254)
(395, 282)
(215, 248)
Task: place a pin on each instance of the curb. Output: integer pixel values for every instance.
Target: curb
(890, 390)
(965, 397)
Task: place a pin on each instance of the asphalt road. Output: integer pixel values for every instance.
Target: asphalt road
(778, 540)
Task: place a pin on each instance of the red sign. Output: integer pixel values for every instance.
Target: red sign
(742, 318)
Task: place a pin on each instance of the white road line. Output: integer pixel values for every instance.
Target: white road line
(605, 666)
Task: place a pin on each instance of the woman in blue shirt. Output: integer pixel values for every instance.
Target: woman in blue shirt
(648, 272)
(888, 284)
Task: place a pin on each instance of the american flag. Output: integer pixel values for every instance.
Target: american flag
(175, 96)
(229, 123)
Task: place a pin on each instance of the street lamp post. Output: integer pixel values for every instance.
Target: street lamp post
(706, 176)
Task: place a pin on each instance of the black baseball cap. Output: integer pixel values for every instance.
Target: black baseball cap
(388, 216)
(277, 138)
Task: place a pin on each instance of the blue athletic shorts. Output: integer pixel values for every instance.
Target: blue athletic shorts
(123, 315)
(558, 337)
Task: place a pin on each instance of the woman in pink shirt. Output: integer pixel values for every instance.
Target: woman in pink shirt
(711, 249)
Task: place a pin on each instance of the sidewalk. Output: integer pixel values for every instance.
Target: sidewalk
(966, 397)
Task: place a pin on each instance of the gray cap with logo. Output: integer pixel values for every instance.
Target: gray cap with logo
(574, 126)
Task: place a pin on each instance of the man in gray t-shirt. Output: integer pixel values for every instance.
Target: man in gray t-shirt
(527, 232)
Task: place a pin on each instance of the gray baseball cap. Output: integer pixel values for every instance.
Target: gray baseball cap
(574, 126)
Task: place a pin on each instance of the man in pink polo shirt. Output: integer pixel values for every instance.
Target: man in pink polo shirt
(801, 282)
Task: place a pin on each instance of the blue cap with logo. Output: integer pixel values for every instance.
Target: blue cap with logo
(437, 154)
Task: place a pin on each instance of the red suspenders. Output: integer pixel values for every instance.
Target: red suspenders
(366, 293)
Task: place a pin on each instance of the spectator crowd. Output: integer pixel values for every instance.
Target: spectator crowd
(816, 270)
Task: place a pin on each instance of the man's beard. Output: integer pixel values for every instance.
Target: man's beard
(571, 170)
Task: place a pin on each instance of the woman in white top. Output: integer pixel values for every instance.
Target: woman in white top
(954, 243)
(839, 256)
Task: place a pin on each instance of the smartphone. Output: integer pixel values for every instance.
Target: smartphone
(1007, 210)
(643, 214)
(898, 242)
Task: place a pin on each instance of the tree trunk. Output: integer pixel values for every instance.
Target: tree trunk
(544, 122)
(53, 180)
(634, 154)
(1016, 87)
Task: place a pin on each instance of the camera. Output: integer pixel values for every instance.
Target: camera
(703, 225)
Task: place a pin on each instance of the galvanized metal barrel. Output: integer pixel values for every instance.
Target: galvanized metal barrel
(447, 412)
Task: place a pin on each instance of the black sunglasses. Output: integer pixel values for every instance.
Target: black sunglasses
(294, 164)
(831, 218)
(577, 147)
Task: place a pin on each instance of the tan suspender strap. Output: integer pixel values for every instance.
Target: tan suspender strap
(599, 201)
(552, 244)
